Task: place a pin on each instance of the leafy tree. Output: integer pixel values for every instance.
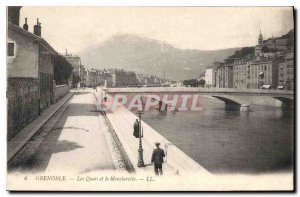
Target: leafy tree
(266, 49)
(243, 52)
(201, 82)
(76, 79)
(62, 70)
(291, 39)
(191, 82)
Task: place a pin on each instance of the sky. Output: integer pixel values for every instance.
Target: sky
(206, 28)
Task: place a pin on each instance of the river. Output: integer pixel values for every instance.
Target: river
(222, 141)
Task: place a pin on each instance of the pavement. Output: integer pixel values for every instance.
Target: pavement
(77, 141)
(15, 144)
(80, 138)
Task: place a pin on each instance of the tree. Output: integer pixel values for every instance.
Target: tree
(201, 82)
(266, 49)
(243, 52)
(76, 79)
(191, 82)
(62, 70)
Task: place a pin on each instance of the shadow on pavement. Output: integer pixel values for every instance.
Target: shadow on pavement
(65, 146)
(81, 109)
(38, 159)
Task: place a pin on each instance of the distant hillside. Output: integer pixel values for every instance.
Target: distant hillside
(149, 56)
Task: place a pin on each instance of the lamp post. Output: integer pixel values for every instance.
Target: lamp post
(140, 150)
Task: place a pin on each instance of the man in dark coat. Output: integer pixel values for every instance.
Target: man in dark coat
(136, 129)
(158, 158)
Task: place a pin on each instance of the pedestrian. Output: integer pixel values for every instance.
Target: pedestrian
(105, 97)
(158, 159)
(136, 129)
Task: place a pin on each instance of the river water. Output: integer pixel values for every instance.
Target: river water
(222, 141)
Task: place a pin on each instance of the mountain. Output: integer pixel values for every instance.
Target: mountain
(149, 56)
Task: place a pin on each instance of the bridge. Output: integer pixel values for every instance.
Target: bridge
(233, 98)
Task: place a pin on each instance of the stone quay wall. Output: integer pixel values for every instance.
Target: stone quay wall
(22, 103)
(60, 91)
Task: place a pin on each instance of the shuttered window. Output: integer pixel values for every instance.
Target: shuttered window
(10, 49)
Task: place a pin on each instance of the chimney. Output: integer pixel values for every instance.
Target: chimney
(37, 28)
(13, 14)
(25, 26)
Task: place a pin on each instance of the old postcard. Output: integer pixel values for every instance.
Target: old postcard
(150, 98)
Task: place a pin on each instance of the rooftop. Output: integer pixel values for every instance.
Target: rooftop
(32, 36)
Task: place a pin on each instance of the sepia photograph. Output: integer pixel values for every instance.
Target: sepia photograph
(134, 98)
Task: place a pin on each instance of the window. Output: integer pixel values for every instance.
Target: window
(11, 49)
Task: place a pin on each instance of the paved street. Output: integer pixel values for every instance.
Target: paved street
(79, 141)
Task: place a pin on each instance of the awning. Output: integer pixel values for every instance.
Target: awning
(266, 86)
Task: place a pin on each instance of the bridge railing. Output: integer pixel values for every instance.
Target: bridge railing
(199, 89)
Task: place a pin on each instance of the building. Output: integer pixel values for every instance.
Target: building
(83, 76)
(122, 78)
(224, 74)
(259, 46)
(272, 65)
(106, 78)
(74, 60)
(274, 44)
(263, 68)
(286, 71)
(78, 69)
(228, 76)
(30, 72)
(210, 76)
(99, 78)
(241, 73)
(92, 78)
(263, 72)
(149, 80)
(269, 66)
(219, 74)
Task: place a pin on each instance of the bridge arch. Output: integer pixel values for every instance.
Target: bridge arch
(286, 103)
(230, 105)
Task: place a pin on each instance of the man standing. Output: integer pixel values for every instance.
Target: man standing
(158, 158)
(136, 129)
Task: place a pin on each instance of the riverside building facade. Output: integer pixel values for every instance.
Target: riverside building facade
(271, 65)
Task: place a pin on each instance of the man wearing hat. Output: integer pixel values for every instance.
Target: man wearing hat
(136, 129)
(158, 158)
